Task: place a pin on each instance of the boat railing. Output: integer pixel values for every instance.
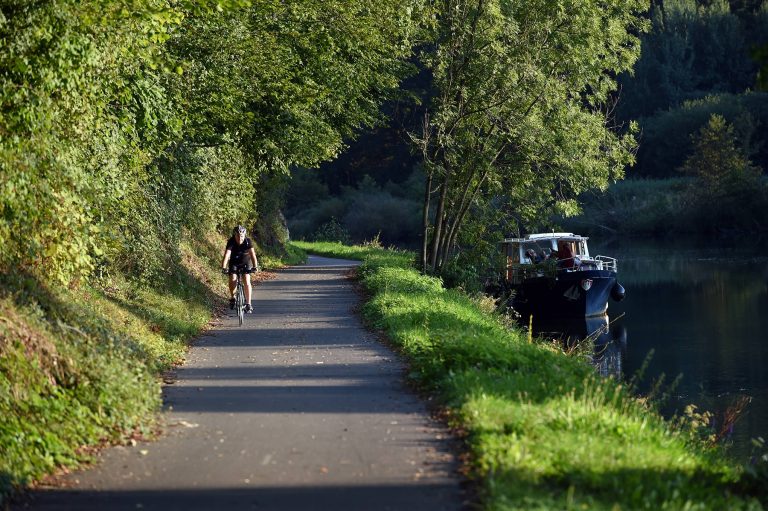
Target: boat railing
(517, 273)
(607, 263)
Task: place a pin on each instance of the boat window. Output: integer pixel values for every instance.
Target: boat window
(536, 251)
(513, 253)
(565, 247)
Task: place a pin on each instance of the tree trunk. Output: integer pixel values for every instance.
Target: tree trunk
(463, 213)
(439, 220)
(425, 223)
(443, 245)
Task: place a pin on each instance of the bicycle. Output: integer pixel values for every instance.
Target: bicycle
(239, 270)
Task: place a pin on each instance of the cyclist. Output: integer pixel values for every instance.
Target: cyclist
(239, 251)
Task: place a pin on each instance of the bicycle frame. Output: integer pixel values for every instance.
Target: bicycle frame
(240, 291)
(240, 301)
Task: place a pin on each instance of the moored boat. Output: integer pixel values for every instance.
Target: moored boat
(554, 275)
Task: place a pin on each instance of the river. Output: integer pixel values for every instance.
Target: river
(702, 311)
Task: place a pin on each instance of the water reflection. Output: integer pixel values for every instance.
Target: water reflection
(703, 312)
(602, 340)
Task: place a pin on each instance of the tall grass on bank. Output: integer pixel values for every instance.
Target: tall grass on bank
(544, 431)
(80, 367)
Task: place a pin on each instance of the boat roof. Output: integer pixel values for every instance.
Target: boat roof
(547, 236)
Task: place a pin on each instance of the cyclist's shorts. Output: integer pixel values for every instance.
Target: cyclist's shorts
(236, 264)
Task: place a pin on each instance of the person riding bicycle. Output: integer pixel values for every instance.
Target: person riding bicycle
(239, 252)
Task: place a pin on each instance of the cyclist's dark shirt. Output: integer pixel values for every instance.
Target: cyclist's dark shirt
(239, 251)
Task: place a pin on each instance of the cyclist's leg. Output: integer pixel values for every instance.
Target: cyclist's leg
(247, 282)
(232, 284)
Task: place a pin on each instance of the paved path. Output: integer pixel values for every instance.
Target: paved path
(298, 409)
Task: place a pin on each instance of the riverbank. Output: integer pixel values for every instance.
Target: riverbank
(542, 429)
(82, 367)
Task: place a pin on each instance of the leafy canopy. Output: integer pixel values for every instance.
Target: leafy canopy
(519, 107)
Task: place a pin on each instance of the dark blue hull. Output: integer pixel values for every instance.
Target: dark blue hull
(568, 294)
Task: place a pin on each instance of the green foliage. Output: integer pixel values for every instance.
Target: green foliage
(290, 75)
(667, 137)
(728, 191)
(660, 207)
(53, 104)
(722, 168)
(121, 122)
(77, 380)
(634, 207)
(390, 211)
(694, 49)
(543, 430)
(333, 231)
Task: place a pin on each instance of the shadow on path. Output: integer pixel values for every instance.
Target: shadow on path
(289, 498)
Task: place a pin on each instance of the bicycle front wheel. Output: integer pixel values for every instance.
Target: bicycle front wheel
(240, 304)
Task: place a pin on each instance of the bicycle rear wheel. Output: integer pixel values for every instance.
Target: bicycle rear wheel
(240, 302)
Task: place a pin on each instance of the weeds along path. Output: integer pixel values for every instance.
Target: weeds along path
(300, 408)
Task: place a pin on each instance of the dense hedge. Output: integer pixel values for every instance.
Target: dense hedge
(122, 122)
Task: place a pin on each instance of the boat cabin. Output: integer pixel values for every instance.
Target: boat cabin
(549, 253)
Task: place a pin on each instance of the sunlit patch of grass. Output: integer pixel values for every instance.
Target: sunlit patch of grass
(545, 432)
(389, 257)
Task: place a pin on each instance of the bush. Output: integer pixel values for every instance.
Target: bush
(394, 219)
(659, 207)
(305, 223)
(332, 230)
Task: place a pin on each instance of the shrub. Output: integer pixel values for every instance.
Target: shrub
(332, 230)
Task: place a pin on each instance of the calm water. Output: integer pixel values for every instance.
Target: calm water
(703, 311)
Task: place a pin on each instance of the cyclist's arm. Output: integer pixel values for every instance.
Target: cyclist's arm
(224, 261)
(253, 257)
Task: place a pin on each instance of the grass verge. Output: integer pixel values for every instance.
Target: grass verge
(81, 367)
(544, 430)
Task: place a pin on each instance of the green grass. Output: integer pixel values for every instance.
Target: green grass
(543, 430)
(399, 258)
(292, 255)
(81, 367)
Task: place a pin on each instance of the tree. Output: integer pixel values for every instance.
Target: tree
(518, 108)
(289, 82)
(292, 80)
(720, 165)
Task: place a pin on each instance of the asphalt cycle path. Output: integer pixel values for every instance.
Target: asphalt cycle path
(299, 409)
